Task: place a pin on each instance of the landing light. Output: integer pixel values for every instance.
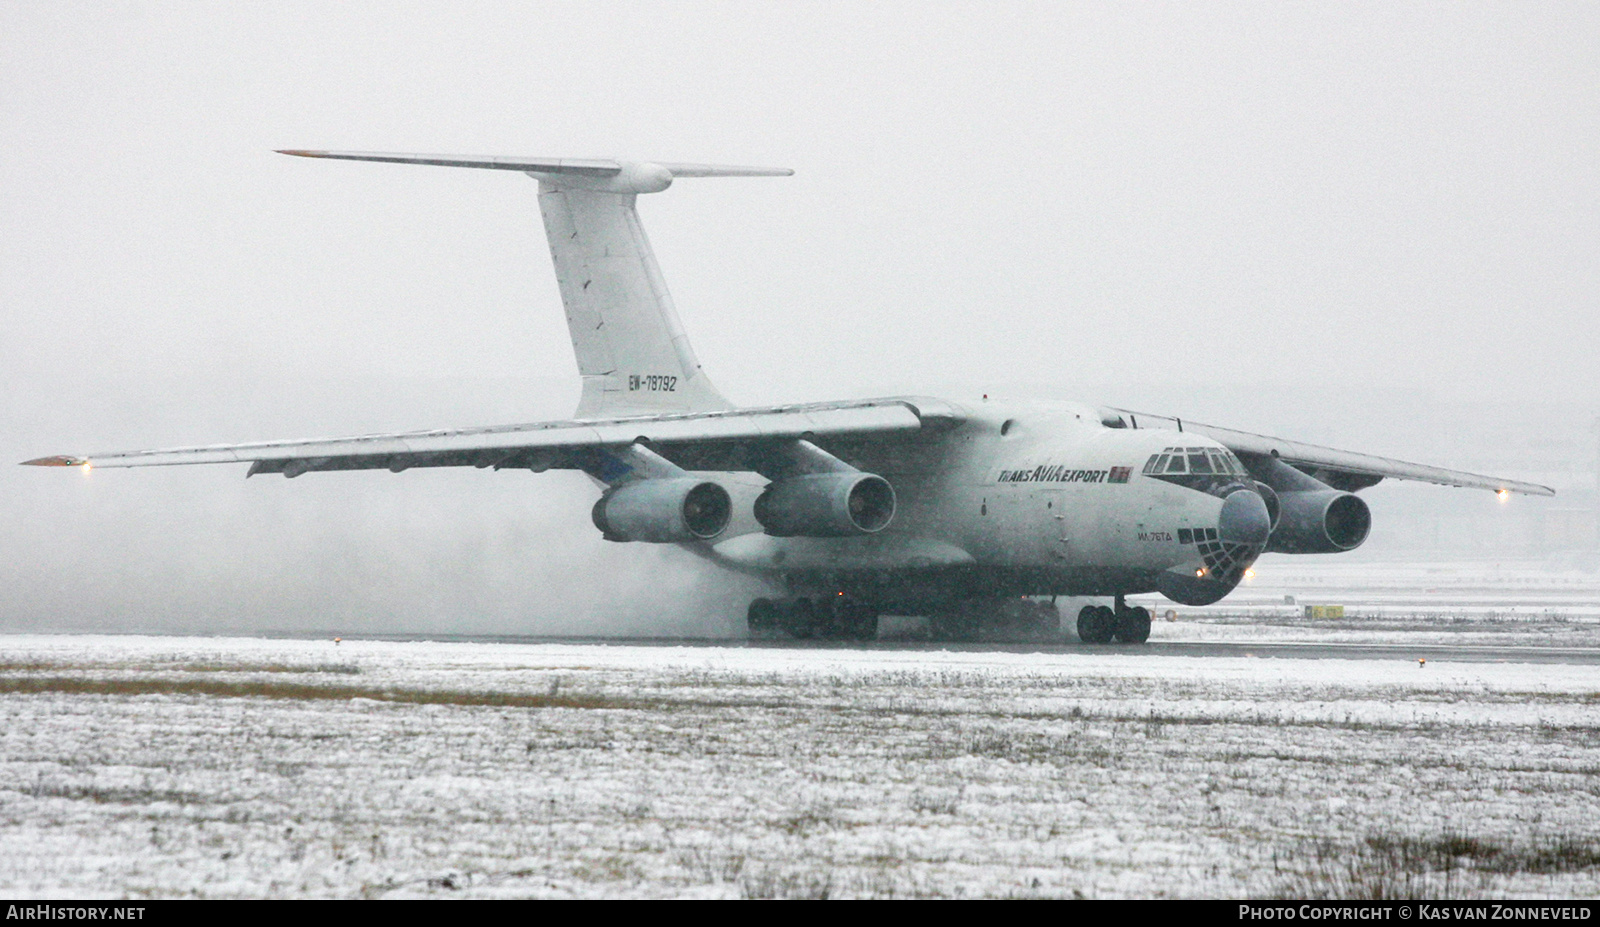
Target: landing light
(1249, 574)
(86, 466)
(1502, 494)
(1200, 572)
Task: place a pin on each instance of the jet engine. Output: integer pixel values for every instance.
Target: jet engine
(1274, 506)
(1323, 521)
(1311, 517)
(826, 505)
(662, 511)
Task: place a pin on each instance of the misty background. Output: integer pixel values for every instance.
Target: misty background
(1373, 226)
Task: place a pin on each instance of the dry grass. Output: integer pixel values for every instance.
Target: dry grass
(31, 685)
(1387, 866)
(189, 666)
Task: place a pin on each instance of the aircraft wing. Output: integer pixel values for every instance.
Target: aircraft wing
(1345, 470)
(695, 441)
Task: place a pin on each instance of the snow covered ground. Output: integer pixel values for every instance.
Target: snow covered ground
(1469, 602)
(160, 767)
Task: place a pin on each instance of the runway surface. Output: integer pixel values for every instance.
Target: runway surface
(1298, 650)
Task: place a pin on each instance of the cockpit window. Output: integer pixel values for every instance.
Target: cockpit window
(1203, 460)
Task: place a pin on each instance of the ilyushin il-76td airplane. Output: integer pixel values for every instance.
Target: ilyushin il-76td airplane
(909, 505)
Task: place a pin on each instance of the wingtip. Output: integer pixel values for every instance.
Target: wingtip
(59, 460)
(300, 152)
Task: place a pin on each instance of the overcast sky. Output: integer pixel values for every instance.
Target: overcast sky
(1334, 198)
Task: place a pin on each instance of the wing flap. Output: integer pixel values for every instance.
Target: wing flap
(1340, 469)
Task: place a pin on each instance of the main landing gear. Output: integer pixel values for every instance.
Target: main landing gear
(1098, 624)
(827, 617)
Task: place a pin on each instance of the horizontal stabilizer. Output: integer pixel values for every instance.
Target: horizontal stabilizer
(723, 170)
(581, 167)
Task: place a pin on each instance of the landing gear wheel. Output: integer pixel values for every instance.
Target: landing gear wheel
(799, 619)
(1046, 618)
(855, 620)
(1096, 624)
(1133, 625)
(960, 627)
(826, 618)
(867, 627)
(761, 616)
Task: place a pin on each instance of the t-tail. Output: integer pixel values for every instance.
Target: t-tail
(633, 354)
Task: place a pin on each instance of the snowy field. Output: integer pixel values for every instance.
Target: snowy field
(163, 767)
(1464, 603)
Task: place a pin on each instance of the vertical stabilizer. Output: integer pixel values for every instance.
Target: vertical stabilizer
(632, 352)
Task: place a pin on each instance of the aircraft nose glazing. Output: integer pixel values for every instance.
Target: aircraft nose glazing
(1244, 519)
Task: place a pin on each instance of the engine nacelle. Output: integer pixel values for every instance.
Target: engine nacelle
(1274, 506)
(661, 511)
(826, 505)
(1320, 522)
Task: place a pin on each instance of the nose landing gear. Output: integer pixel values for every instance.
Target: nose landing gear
(1098, 624)
(1133, 625)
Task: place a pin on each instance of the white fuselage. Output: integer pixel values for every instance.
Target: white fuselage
(1018, 500)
